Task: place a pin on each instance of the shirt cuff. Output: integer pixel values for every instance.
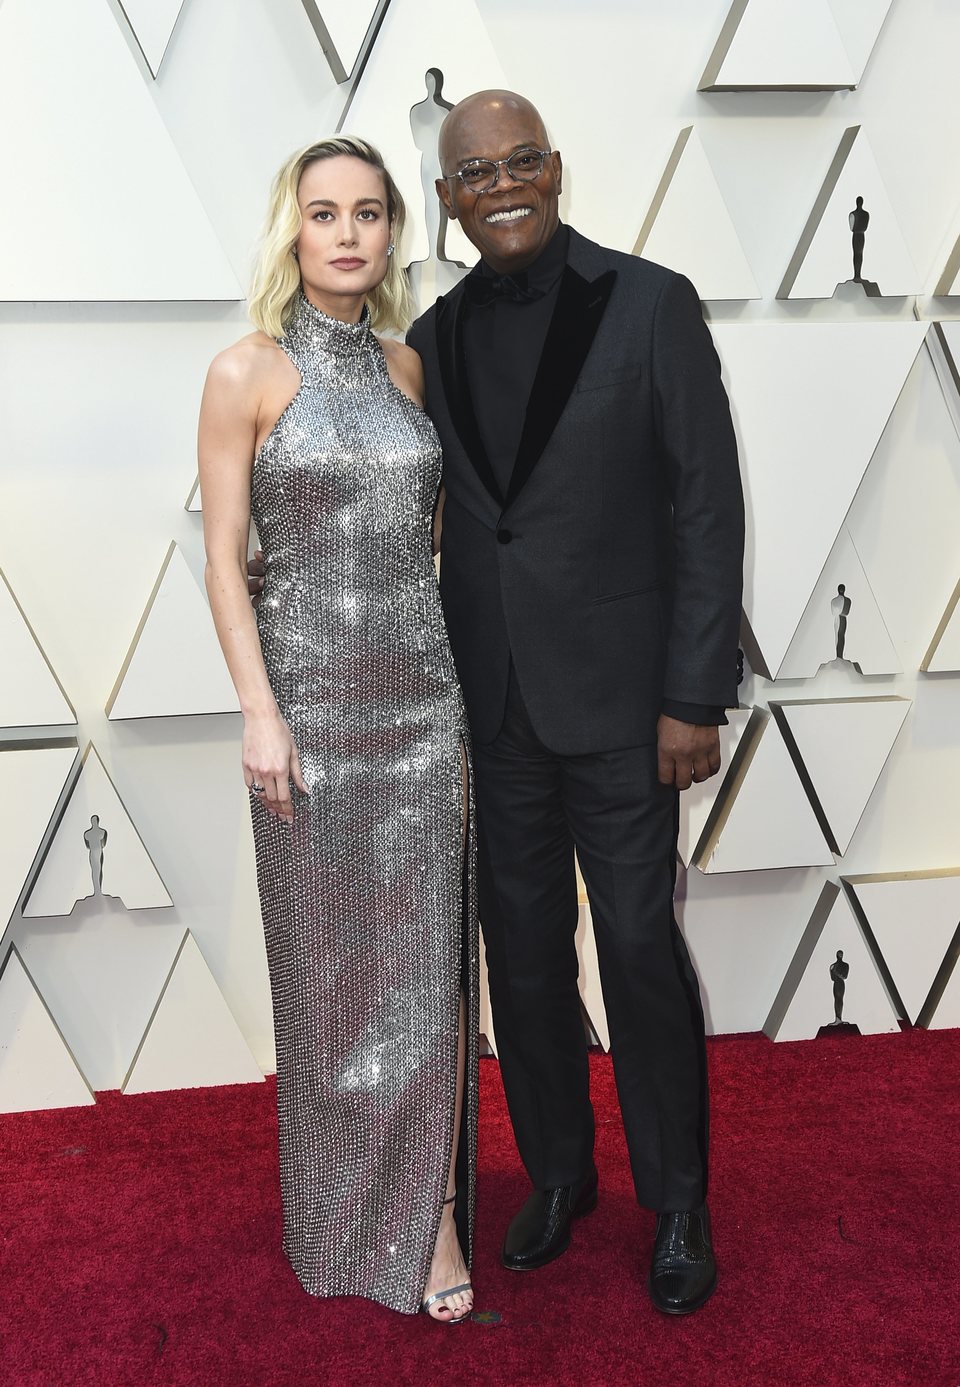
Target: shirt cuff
(701, 714)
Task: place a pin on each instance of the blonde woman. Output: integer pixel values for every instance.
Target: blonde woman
(354, 742)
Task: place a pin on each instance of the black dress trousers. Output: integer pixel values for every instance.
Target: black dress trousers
(534, 807)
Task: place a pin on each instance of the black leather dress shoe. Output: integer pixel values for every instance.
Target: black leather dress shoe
(683, 1273)
(541, 1230)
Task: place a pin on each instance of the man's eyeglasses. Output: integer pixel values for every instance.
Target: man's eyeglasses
(480, 175)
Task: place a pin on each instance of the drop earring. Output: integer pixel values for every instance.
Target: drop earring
(391, 248)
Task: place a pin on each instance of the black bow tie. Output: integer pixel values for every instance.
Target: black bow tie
(486, 289)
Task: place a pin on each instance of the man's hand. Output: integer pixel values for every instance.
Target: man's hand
(256, 571)
(686, 752)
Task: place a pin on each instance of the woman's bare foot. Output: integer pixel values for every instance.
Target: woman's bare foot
(448, 1269)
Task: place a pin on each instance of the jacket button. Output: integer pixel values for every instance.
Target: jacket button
(504, 536)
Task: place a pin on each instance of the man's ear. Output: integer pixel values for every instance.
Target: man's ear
(557, 163)
(443, 193)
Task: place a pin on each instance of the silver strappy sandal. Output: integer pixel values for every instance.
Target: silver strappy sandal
(452, 1290)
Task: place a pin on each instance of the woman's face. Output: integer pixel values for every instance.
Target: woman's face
(342, 246)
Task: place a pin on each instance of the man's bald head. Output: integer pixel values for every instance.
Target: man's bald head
(472, 116)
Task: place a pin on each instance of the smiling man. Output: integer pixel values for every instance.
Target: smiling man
(591, 574)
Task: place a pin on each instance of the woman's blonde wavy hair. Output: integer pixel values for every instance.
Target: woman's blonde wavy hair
(276, 274)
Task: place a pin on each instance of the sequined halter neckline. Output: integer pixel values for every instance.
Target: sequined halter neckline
(313, 333)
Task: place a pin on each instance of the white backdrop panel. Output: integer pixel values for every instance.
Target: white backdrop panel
(192, 1039)
(824, 257)
(805, 1000)
(341, 26)
(859, 23)
(742, 931)
(100, 962)
(69, 867)
(32, 777)
(767, 820)
(30, 692)
(95, 153)
(866, 640)
(906, 516)
(780, 44)
(943, 653)
(947, 1013)
(810, 403)
(948, 279)
(913, 916)
(152, 22)
(175, 664)
(687, 202)
(36, 1068)
(843, 746)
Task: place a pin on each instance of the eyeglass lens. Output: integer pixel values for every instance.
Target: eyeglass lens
(525, 165)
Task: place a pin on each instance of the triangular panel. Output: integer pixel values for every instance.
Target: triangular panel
(943, 653)
(688, 227)
(859, 23)
(192, 1039)
(699, 802)
(779, 45)
(913, 916)
(766, 821)
(943, 345)
(807, 1001)
(842, 621)
(152, 22)
(949, 280)
(67, 63)
(95, 850)
(841, 747)
(31, 695)
(946, 1014)
(342, 26)
(852, 205)
(32, 777)
(415, 36)
(810, 403)
(37, 1070)
(175, 665)
(193, 501)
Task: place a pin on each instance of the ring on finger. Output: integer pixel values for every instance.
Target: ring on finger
(257, 789)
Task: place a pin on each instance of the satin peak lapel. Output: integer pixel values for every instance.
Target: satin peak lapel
(580, 307)
(453, 372)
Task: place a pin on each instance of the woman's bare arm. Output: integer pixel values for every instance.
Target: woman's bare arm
(227, 437)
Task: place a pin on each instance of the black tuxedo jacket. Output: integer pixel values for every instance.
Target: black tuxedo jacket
(611, 570)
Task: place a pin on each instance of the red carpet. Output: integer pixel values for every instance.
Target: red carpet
(140, 1244)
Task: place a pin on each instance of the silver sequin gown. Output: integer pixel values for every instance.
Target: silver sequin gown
(368, 900)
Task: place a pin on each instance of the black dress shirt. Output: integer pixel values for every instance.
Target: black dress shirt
(505, 326)
(503, 342)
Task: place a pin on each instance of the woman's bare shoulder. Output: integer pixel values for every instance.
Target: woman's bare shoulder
(250, 361)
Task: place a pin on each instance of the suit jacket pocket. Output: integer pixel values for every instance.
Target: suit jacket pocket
(622, 596)
(614, 375)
